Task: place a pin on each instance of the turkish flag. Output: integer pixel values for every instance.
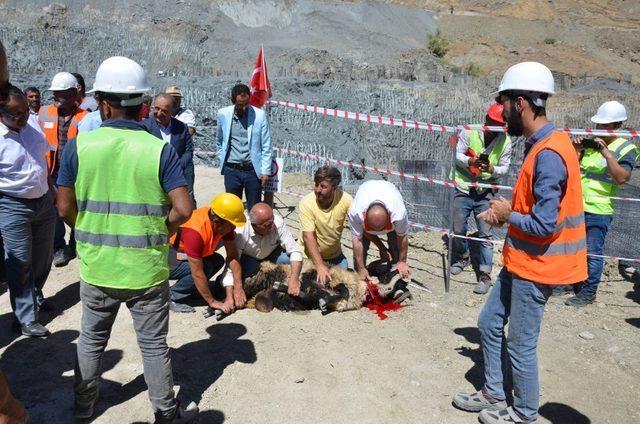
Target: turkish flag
(260, 85)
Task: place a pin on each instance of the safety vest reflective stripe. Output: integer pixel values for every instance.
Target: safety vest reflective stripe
(621, 148)
(535, 249)
(120, 240)
(574, 221)
(598, 177)
(122, 208)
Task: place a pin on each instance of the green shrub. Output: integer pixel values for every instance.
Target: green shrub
(473, 69)
(438, 44)
(549, 41)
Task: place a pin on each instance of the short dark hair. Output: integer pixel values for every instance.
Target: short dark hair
(329, 173)
(80, 79)
(12, 92)
(31, 90)
(131, 112)
(239, 89)
(537, 110)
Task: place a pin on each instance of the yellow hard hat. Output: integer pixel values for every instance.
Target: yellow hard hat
(230, 208)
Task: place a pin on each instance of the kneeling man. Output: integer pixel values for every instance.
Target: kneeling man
(267, 239)
(198, 239)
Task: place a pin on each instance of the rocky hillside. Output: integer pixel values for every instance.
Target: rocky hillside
(577, 37)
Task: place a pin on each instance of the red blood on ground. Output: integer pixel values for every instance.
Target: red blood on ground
(375, 303)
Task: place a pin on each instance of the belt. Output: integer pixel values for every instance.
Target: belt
(240, 166)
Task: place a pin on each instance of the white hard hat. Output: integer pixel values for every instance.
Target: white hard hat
(609, 112)
(63, 81)
(529, 77)
(120, 75)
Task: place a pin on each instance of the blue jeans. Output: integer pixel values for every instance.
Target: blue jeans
(339, 260)
(520, 303)
(150, 314)
(183, 288)
(464, 205)
(235, 181)
(597, 227)
(392, 240)
(26, 227)
(250, 266)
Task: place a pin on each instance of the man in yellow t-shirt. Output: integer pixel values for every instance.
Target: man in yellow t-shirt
(322, 216)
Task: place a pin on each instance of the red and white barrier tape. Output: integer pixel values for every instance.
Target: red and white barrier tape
(366, 117)
(403, 175)
(429, 228)
(410, 123)
(385, 171)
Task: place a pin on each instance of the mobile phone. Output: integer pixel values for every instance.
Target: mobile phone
(590, 143)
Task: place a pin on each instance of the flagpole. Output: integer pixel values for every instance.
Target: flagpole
(268, 196)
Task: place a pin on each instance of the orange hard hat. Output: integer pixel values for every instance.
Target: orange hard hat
(495, 113)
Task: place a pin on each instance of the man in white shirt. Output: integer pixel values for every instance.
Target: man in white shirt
(182, 113)
(378, 208)
(267, 239)
(27, 214)
(88, 103)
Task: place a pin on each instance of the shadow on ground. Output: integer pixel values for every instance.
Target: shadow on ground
(475, 375)
(59, 303)
(559, 413)
(198, 365)
(634, 321)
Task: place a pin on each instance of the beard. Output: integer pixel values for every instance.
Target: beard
(514, 122)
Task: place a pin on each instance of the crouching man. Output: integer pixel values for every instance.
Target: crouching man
(267, 239)
(377, 209)
(197, 240)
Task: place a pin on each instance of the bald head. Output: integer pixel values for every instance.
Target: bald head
(260, 213)
(377, 217)
(261, 218)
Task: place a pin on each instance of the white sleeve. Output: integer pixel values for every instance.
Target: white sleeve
(357, 226)
(188, 118)
(505, 161)
(227, 281)
(287, 241)
(461, 149)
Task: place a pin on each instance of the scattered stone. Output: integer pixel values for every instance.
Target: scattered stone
(299, 380)
(529, 50)
(605, 327)
(613, 349)
(470, 303)
(586, 335)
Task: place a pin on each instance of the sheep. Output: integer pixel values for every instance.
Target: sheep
(345, 292)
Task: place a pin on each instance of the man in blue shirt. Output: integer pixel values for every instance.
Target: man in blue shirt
(244, 147)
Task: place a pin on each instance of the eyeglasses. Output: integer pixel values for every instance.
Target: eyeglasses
(15, 116)
(266, 224)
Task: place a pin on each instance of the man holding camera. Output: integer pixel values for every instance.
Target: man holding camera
(605, 164)
(483, 157)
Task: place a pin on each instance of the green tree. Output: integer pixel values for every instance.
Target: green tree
(438, 44)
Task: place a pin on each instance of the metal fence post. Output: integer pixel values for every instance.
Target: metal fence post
(447, 274)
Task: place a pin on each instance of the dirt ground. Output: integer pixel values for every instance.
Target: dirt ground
(341, 368)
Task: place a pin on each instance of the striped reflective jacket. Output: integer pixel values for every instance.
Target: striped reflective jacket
(463, 175)
(122, 237)
(560, 258)
(48, 120)
(597, 184)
